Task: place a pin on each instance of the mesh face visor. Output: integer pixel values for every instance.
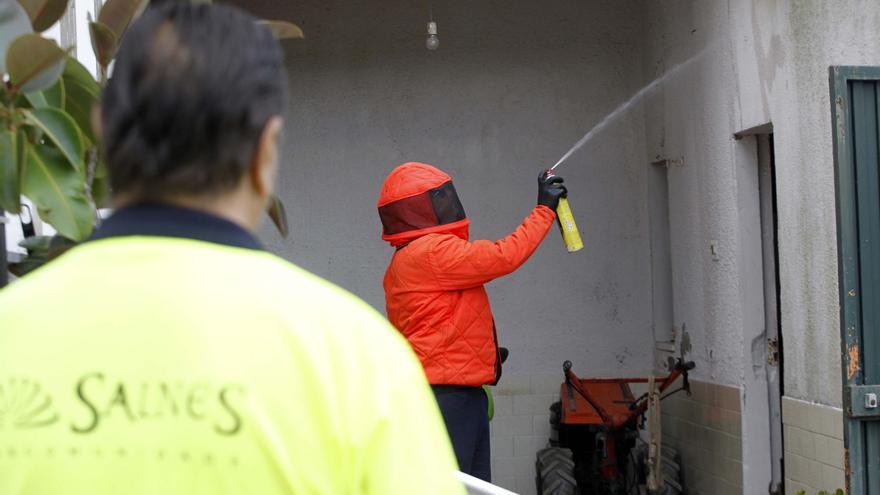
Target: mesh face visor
(438, 206)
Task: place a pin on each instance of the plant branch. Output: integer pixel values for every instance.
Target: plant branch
(91, 167)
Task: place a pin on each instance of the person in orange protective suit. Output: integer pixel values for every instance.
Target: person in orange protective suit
(435, 296)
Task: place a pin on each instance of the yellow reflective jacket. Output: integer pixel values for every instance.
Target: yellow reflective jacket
(148, 364)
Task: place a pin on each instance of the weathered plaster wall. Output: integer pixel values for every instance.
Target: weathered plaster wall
(511, 88)
(814, 35)
(689, 121)
(767, 62)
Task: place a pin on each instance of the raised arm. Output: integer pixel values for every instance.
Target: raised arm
(459, 264)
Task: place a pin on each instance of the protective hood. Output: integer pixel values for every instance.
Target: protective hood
(419, 199)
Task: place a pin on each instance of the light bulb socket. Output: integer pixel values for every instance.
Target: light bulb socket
(432, 28)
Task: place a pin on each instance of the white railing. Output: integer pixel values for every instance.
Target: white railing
(476, 486)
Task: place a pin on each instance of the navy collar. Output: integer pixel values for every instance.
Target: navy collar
(163, 220)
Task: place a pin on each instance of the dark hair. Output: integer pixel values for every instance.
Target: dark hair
(193, 86)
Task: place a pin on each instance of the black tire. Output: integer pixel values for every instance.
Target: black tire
(555, 414)
(671, 466)
(555, 472)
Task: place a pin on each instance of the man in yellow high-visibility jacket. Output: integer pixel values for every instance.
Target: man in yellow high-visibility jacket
(170, 353)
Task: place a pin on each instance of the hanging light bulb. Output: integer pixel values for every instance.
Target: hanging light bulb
(433, 42)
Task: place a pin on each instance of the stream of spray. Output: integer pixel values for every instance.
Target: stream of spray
(625, 106)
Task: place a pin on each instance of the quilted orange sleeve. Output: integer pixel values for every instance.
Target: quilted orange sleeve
(458, 264)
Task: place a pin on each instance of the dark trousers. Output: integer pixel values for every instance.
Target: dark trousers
(465, 411)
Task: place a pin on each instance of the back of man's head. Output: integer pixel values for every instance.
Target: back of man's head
(192, 89)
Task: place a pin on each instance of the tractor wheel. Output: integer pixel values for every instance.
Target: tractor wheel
(672, 475)
(555, 470)
(555, 415)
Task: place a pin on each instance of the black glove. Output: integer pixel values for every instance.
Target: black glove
(550, 189)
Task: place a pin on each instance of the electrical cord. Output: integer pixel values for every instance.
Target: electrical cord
(681, 389)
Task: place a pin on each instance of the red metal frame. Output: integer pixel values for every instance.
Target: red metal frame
(612, 408)
(609, 403)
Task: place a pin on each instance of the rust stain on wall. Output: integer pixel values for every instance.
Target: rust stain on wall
(853, 366)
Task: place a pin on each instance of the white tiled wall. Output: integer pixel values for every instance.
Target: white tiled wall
(813, 447)
(706, 428)
(521, 427)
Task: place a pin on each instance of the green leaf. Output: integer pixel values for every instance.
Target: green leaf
(44, 13)
(10, 167)
(34, 63)
(58, 191)
(104, 43)
(46, 244)
(37, 243)
(284, 30)
(14, 22)
(81, 94)
(37, 99)
(61, 130)
(52, 98)
(75, 71)
(55, 95)
(278, 215)
(117, 15)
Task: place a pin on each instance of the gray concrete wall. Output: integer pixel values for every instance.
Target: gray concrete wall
(511, 88)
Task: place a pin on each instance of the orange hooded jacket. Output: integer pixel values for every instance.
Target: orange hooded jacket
(434, 290)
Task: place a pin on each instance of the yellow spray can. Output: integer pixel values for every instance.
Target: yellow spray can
(570, 235)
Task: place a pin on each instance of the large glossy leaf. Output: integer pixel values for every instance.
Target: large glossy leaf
(37, 243)
(117, 15)
(53, 97)
(78, 104)
(14, 22)
(73, 70)
(10, 165)
(37, 99)
(34, 63)
(59, 128)
(81, 94)
(44, 13)
(58, 191)
(278, 215)
(284, 30)
(104, 43)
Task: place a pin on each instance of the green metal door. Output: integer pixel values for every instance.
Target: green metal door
(855, 103)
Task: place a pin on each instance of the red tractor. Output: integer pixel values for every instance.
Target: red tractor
(596, 447)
